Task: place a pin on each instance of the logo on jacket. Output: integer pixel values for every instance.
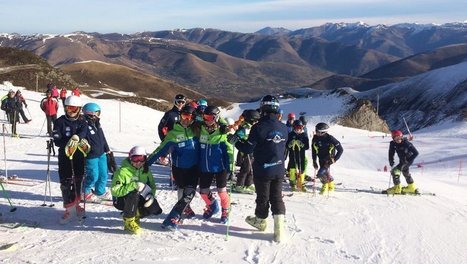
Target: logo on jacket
(275, 137)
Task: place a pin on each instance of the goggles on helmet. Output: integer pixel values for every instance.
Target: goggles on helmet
(72, 108)
(186, 116)
(138, 158)
(209, 118)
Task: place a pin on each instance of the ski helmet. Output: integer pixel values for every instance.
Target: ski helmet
(269, 104)
(211, 111)
(73, 100)
(230, 121)
(188, 109)
(291, 116)
(297, 123)
(179, 98)
(137, 151)
(203, 102)
(322, 127)
(396, 133)
(303, 119)
(251, 115)
(91, 108)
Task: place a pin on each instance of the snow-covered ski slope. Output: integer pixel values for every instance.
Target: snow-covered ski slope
(344, 227)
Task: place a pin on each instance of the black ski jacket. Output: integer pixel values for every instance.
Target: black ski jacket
(405, 150)
(168, 120)
(326, 148)
(266, 141)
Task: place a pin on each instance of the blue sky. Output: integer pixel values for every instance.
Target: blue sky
(106, 16)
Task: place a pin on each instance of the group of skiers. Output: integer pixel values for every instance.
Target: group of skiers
(12, 104)
(199, 145)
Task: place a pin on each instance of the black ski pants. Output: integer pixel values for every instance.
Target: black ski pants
(269, 193)
(71, 174)
(133, 202)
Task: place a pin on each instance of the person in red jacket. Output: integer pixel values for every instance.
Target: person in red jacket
(50, 106)
(55, 93)
(63, 92)
(76, 91)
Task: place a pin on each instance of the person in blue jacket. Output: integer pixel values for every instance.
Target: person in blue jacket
(183, 145)
(267, 140)
(69, 134)
(96, 161)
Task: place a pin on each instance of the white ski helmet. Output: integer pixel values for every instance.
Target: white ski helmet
(137, 151)
(73, 100)
(230, 121)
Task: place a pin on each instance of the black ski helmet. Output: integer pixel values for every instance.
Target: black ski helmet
(322, 127)
(212, 110)
(269, 104)
(297, 123)
(251, 115)
(303, 119)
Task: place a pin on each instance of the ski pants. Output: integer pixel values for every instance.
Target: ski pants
(13, 117)
(71, 177)
(245, 176)
(187, 181)
(133, 204)
(324, 172)
(269, 193)
(96, 175)
(21, 112)
(396, 173)
(50, 120)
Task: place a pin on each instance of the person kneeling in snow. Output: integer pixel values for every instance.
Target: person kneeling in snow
(134, 188)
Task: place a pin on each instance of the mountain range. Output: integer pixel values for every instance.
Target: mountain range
(240, 66)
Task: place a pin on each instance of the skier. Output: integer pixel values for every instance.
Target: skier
(202, 104)
(22, 101)
(63, 92)
(297, 143)
(407, 154)
(55, 93)
(171, 117)
(245, 176)
(134, 189)
(267, 141)
(289, 122)
(215, 159)
(75, 91)
(96, 161)
(11, 105)
(328, 149)
(183, 145)
(69, 134)
(50, 106)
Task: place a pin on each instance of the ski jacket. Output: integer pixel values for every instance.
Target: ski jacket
(49, 105)
(96, 139)
(405, 151)
(267, 143)
(64, 128)
(215, 152)
(54, 92)
(11, 104)
(126, 177)
(167, 122)
(289, 124)
(63, 93)
(297, 144)
(21, 100)
(326, 148)
(76, 91)
(182, 143)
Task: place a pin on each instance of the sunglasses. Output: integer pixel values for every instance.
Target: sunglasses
(209, 118)
(72, 108)
(138, 158)
(179, 102)
(186, 116)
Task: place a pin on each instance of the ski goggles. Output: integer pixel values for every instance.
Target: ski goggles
(93, 114)
(138, 158)
(320, 133)
(209, 118)
(72, 108)
(297, 127)
(186, 116)
(179, 102)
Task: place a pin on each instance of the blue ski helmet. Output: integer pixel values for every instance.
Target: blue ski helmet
(91, 108)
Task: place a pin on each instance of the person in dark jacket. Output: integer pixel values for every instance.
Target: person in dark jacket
(407, 154)
(328, 149)
(69, 134)
(96, 161)
(171, 117)
(11, 105)
(267, 140)
(22, 101)
(297, 144)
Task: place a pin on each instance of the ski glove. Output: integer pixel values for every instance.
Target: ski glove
(84, 147)
(149, 200)
(71, 146)
(232, 139)
(224, 129)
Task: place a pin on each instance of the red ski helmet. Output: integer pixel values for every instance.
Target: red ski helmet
(291, 116)
(396, 133)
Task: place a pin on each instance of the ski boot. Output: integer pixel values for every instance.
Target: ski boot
(331, 186)
(224, 216)
(396, 189)
(171, 222)
(324, 188)
(188, 213)
(257, 222)
(293, 185)
(410, 189)
(211, 210)
(131, 225)
(279, 228)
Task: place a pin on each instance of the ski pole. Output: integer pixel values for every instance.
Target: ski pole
(408, 130)
(232, 166)
(4, 151)
(47, 179)
(43, 123)
(5, 194)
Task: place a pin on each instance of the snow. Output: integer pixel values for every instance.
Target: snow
(343, 227)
